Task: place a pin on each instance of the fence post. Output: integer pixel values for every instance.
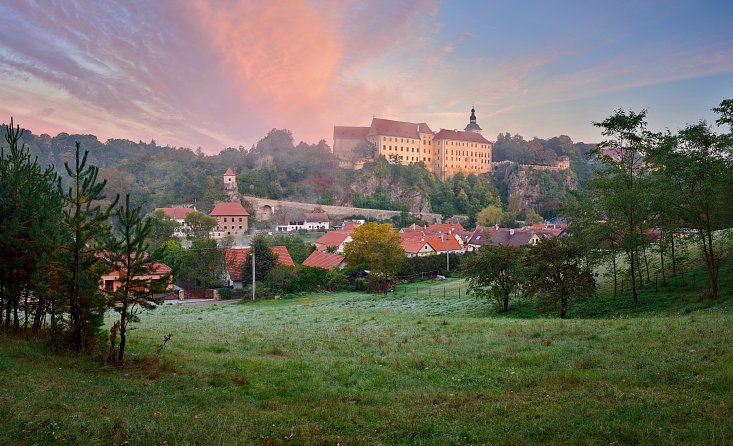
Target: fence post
(417, 293)
(443, 292)
(459, 292)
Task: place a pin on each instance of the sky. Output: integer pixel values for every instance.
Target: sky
(216, 74)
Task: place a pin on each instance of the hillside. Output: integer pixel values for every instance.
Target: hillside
(276, 168)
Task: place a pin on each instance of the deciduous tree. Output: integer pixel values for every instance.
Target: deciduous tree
(375, 247)
(495, 272)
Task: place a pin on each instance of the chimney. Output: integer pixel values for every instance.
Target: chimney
(511, 232)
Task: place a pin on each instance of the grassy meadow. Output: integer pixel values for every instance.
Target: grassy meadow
(409, 368)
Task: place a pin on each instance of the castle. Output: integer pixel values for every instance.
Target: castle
(444, 153)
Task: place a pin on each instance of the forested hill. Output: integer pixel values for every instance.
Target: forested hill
(276, 167)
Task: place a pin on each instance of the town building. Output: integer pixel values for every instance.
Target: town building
(231, 219)
(335, 240)
(178, 214)
(231, 191)
(234, 262)
(155, 272)
(444, 153)
(304, 221)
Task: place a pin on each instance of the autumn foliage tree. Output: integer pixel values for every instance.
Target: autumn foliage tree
(375, 247)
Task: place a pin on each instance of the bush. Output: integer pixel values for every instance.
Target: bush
(225, 294)
(336, 280)
(415, 266)
(282, 278)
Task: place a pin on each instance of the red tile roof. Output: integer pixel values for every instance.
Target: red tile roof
(322, 259)
(222, 209)
(176, 213)
(283, 256)
(440, 245)
(332, 238)
(347, 132)
(446, 228)
(229, 172)
(414, 246)
(234, 259)
(387, 127)
(457, 135)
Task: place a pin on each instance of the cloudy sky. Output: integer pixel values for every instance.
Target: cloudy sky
(222, 73)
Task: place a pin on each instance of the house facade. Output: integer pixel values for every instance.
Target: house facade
(307, 221)
(179, 215)
(231, 220)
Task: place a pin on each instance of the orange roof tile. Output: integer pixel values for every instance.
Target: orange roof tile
(222, 209)
(413, 246)
(176, 213)
(325, 260)
(446, 228)
(440, 245)
(387, 127)
(234, 259)
(332, 238)
(229, 172)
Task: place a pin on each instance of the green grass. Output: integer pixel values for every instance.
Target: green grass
(408, 368)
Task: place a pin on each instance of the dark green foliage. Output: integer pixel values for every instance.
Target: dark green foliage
(199, 225)
(88, 223)
(495, 273)
(265, 260)
(130, 256)
(556, 273)
(417, 267)
(298, 249)
(162, 229)
(200, 266)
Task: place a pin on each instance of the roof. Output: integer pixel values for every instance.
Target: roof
(414, 246)
(320, 217)
(322, 259)
(387, 127)
(234, 259)
(348, 132)
(447, 228)
(333, 238)
(457, 135)
(156, 267)
(283, 256)
(229, 172)
(228, 208)
(176, 213)
(439, 244)
(350, 225)
(472, 126)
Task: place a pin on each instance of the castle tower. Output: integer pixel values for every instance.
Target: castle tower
(230, 185)
(472, 126)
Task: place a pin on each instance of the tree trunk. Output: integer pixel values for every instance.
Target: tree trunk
(633, 279)
(505, 302)
(615, 274)
(712, 262)
(661, 259)
(563, 306)
(674, 260)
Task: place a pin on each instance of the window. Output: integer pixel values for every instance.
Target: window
(109, 285)
(225, 219)
(240, 219)
(240, 228)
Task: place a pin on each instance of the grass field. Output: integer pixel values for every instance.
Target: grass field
(409, 368)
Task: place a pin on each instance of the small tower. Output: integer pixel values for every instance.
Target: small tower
(230, 185)
(472, 126)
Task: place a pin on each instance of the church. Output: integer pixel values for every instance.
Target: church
(444, 153)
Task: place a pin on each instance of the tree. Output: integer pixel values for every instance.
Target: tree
(531, 217)
(489, 216)
(375, 247)
(199, 266)
(620, 184)
(556, 274)
(694, 172)
(162, 228)
(87, 222)
(265, 260)
(298, 249)
(495, 272)
(129, 255)
(199, 225)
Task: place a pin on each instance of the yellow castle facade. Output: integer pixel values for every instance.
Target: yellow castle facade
(445, 153)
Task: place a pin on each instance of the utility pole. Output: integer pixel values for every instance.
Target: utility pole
(447, 256)
(253, 273)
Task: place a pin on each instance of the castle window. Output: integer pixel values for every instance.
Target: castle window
(240, 219)
(225, 219)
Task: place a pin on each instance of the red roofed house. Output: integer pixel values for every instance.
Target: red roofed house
(445, 243)
(234, 259)
(416, 247)
(325, 260)
(155, 272)
(179, 215)
(335, 239)
(231, 220)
